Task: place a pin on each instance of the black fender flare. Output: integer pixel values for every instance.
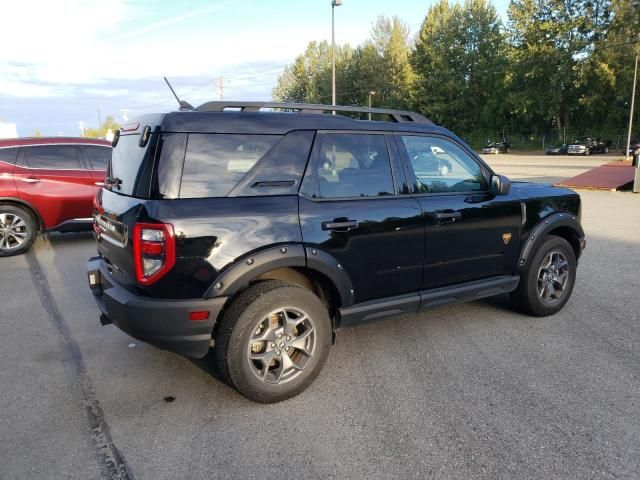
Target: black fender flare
(252, 266)
(328, 266)
(546, 225)
(24, 203)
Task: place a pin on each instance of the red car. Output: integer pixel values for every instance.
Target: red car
(47, 184)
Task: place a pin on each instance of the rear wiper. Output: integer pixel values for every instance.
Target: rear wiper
(113, 181)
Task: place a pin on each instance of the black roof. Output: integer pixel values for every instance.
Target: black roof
(279, 123)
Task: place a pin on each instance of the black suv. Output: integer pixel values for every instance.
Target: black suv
(261, 233)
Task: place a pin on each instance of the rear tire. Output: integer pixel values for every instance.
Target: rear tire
(273, 341)
(547, 280)
(18, 230)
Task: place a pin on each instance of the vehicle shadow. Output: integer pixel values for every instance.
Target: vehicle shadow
(208, 365)
(55, 238)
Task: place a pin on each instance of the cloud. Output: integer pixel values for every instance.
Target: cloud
(172, 20)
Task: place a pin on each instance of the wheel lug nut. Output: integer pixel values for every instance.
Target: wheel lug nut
(278, 352)
(273, 345)
(279, 335)
(286, 349)
(288, 338)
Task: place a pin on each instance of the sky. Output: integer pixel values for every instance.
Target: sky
(69, 61)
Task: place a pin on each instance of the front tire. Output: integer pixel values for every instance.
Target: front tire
(273, 341)
(18, 230)
(547, 281)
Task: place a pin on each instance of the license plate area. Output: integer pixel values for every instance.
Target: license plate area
(95, 281)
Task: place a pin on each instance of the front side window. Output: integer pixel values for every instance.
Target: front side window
(98, 157)
(441, 166)
(215, 163)
(53, 157)
(352, 165)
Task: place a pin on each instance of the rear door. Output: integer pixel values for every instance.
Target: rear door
(351, 208)
(96, 158)
(470, 234)
(54, 179)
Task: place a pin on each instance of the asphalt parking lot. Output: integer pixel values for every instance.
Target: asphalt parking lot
(461, 392)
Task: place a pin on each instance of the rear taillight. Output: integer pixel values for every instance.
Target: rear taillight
(154, 251)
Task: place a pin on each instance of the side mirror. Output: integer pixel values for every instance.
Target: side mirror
(500, 185)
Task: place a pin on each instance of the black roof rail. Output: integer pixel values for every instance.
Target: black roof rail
(399, 116)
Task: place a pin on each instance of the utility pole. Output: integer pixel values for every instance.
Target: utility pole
(221, 87)
(371, 94)
(633, 99)
(334, 4)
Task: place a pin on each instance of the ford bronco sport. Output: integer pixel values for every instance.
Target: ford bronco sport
(261, 233)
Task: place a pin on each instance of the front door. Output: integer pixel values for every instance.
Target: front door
(350, 209)
(470, 234)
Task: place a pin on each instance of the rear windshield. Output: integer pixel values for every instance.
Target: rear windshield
(131, 165)
(215, 163)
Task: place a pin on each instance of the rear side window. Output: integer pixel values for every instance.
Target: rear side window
(215, 163)
(53, 157)
(98, 157)
(352, 165)
(9, 155)
(131, 165)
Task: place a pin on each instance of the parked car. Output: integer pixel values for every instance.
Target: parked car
(633, 146)
(496, 147)
(588, 145)
(557, 150)
(47, 184)
(262, 233)
(431, 162)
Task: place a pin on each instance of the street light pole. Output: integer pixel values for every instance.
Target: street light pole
(633, 99)
(334, 4)
(371, 94)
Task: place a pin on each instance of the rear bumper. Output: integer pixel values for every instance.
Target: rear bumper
(162, 323)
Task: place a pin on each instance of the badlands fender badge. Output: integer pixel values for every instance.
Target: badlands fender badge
(506, 237)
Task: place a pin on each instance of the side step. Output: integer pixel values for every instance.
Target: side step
(411, 303)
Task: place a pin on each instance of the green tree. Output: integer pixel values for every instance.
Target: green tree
(459, 61)
(36, 133)
(550, 44)
(381, 64)
(607, 74)
(109, 123)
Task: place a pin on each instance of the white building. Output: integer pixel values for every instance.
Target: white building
(8, 130)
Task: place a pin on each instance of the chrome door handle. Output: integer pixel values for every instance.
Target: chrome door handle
(99, 184)
(30, 180)
(446, 217)
(340, 225)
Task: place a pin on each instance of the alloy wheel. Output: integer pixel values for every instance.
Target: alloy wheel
(13, 231)
(553, 276)
(281, 345)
